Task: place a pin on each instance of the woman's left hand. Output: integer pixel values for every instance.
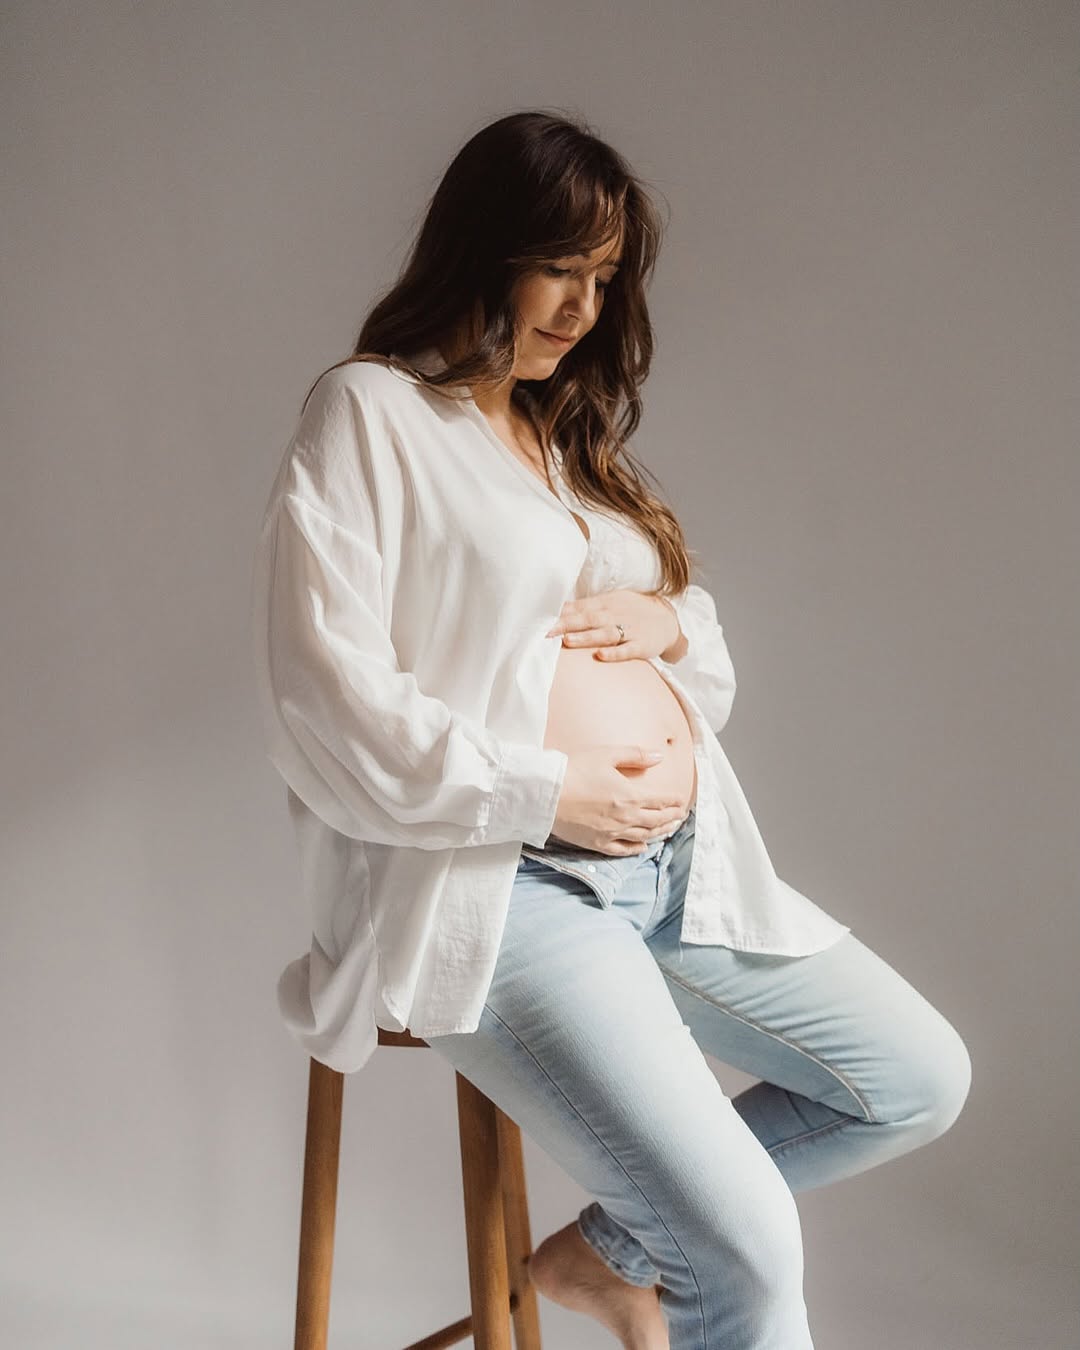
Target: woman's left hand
(649, 622)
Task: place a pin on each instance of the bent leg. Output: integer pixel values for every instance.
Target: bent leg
(581, 1043)
(857, 1066)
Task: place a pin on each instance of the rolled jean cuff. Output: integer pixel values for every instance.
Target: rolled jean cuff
(616, 1247)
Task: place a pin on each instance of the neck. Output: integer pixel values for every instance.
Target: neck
(493, 400)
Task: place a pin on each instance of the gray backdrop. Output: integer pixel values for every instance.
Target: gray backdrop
(866, 313)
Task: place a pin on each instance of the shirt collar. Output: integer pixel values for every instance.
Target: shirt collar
(429, 361)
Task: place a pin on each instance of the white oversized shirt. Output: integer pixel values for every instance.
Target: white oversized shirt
(407, 570)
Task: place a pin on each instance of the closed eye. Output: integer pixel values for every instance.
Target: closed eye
(554, 271)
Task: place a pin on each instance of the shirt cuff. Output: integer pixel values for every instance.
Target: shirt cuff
(528, 783)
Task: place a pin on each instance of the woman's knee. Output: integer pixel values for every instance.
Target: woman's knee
(769, 1253)
(751, 1231)
(939, 1079)
(953, 1078)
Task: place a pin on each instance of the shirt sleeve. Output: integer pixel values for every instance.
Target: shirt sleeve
(352, 733)
(705, 667)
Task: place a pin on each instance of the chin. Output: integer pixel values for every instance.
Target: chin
(538, 368)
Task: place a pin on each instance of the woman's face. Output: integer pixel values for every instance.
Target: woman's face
(563, 297)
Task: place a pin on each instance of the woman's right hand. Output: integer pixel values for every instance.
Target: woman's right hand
(603, 809)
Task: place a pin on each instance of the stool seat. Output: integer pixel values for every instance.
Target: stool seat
(497, 1237)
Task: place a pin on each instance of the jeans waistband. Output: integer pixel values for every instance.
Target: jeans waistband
(561, 849)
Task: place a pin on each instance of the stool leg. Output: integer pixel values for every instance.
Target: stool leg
(485, 1231)
(518, 1238)
(321, 1148)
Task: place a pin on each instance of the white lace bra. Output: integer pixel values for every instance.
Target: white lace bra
(618, 557)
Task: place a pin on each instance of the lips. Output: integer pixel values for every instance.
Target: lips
(564, 338)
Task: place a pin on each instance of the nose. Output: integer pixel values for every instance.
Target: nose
(585, 310)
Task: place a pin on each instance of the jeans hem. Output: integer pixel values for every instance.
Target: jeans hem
(608, 1257)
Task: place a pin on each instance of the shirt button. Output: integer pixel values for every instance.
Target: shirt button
(590, 867)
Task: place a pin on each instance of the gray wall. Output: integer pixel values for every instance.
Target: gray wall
(866, 313)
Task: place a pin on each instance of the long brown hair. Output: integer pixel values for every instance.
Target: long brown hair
(528, 188)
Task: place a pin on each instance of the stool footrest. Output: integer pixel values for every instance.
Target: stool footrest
(455, 1332)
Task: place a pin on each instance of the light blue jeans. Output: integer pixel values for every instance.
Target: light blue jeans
(591, 1039)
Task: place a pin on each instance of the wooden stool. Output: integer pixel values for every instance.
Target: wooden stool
(496, 1218)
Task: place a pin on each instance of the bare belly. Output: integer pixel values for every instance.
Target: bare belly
(622, 703)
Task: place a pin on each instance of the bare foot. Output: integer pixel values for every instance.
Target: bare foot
(565, 1269)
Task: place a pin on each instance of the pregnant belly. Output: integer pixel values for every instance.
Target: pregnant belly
(596, 702)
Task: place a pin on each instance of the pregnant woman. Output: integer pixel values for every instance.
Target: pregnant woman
(495, 697)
